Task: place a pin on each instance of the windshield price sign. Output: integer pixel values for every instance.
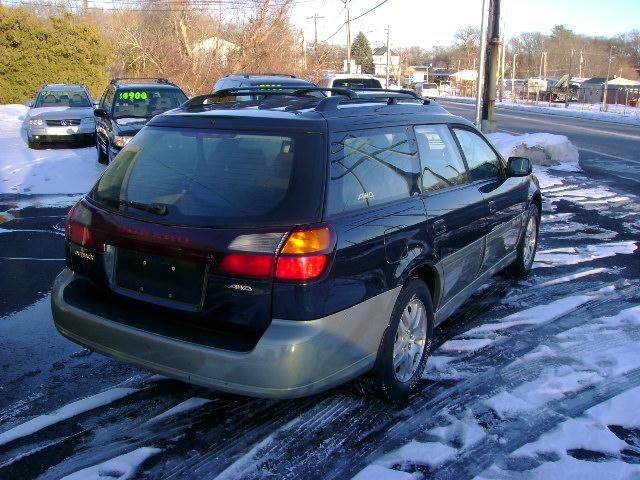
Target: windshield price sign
(133, 95)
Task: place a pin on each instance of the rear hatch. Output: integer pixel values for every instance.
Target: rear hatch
(192, 221)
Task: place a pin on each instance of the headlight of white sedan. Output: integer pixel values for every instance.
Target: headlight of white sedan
(121, 141)
(36, 122)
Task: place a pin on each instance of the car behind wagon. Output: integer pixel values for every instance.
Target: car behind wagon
(61, 114)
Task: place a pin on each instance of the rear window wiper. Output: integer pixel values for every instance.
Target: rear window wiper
(155, 208)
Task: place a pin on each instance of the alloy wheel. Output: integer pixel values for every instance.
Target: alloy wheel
(410, 340)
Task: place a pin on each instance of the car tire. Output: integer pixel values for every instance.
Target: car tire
(527, 246)
(404, 350)
(102, 157)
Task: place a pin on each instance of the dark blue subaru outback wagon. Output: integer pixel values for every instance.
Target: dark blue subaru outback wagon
(282, 245)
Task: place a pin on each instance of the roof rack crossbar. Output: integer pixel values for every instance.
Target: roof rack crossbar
(347, 92)
(157, 79)
(201, 99)
(389, 90)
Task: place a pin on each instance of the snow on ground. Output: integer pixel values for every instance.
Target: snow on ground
(47, 171)
(71, 410)
(186, 406)
(538, 378)
(616, 113)
(122, 467)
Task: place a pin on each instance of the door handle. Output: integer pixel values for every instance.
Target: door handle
(439, 227)
(492, 207)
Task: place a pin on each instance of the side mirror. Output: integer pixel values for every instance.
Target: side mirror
(519, 167)
(29, 103)
(100, 112)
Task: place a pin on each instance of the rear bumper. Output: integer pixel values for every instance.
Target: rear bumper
(291, 359)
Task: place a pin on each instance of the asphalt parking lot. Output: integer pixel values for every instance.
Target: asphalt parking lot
(517, 360)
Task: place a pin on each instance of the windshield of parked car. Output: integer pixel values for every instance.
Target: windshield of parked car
(62, 98)
(146, 102)
(357, 83)
(430, 86)
(218, 178)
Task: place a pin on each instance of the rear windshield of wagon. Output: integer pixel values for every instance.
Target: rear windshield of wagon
(217, 178)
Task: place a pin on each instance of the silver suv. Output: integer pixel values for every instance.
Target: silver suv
(61, 113)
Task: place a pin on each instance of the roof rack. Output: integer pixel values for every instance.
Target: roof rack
(285, 91)
(155, 79)
(324, 104)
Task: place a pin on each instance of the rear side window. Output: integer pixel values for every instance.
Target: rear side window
(372, 167)
(107, 99)
(442, 164)
(357, 83)
(218, 178)
(483, 162)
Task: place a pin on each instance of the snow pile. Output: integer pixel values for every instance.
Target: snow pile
(541, 148)
(50, 171)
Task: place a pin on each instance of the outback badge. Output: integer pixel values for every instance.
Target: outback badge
(244, 288)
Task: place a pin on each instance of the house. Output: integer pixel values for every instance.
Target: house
(213, 45)
(380, 62)
(416, 73)
(619, 90)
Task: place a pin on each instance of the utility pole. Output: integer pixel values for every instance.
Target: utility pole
(503, 51)
(542, 54)
(480, 77)
(492, 61)
(315, 19)
(580, 67)
(513, 76)
(304, 51)
(346, 6)
(566, 98)
(386, 70)
(606, 83)
(348, 40)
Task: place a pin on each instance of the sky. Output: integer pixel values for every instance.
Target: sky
(427, 23)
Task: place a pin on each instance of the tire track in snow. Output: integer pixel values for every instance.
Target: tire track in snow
(349, 451)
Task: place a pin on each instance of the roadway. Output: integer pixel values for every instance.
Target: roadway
(606, 149)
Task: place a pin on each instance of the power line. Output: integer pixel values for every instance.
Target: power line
(355, 18)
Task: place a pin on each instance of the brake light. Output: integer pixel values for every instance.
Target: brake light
(247, 265)
(77, 227)
(305, 254)
(300, 267)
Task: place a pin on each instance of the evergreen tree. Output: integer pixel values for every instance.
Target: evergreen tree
(34, 52)
(361, 53)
